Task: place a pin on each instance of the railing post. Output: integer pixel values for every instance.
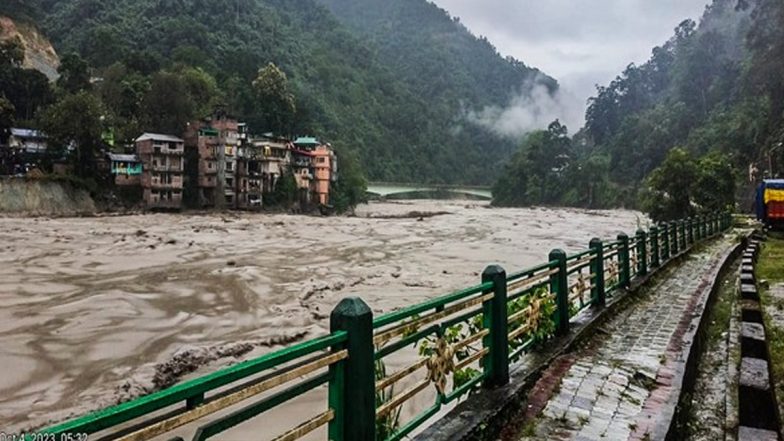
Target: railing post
(691, 231)
(665, 243)
(642, 252)
(703, 228)
(597, 268)
(674, 238)
(654, 247)
(559, 285)
(352, 389)
(494, 315)
(623, 257)
(682, 235)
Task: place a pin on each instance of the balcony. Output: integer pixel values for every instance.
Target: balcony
(175, 185)
(207, 182)
(170, 168)
(168, 151)
(159, 184)
(208, 168)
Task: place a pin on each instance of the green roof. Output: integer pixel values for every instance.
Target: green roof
(306, 140)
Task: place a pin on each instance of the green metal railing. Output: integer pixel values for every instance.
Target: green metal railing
(470, 337)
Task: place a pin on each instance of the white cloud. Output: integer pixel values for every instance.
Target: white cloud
(534, 108)
(579, 42)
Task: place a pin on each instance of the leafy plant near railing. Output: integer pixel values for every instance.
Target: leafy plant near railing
(540, 321)
(390, 423)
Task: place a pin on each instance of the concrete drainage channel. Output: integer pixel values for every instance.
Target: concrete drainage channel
(758, 412)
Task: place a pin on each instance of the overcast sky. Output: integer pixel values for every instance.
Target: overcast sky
(579, 42)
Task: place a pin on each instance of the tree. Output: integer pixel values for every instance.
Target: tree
(350, 189)
(11, 53)
(167, 106)
(669, 192)
(275, 101)
(74, 74)
(122, 91)
(202, 88)
(538, 171)
(7, 112)
(285, 192)
(76, 120)
(714, 186)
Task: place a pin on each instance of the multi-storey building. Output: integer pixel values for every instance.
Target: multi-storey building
(249, 176)
(276, 160)
(213, 145)
(302, 168)
(125, 169)
(325, 167)
(321, 164)
(162, 169)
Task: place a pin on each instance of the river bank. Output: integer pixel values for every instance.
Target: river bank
(97, 310)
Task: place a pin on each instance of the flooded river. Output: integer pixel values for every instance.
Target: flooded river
(97, 310)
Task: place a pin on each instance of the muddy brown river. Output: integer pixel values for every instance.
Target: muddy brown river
(98, 310)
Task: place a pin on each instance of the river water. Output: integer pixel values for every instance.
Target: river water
(97, 310)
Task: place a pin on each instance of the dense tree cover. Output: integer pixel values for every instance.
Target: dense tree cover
(400, 108)
(682, 186)
(276, 102)
(677, 134)
(24, 90)
(75, 120)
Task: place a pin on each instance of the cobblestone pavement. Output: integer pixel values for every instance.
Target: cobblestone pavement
(615, 386)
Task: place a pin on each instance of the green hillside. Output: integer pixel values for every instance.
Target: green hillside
(398, 105)
(678, 134)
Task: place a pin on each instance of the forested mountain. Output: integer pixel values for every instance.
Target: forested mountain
(397, 101)
(435, 54)
(677, 134)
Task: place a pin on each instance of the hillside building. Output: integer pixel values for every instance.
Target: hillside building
(212, 153)
(126, 170)
(162, 162)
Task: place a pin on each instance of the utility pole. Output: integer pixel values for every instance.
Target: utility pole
(770, 158)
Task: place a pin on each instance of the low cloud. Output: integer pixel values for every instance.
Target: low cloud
(533, 108)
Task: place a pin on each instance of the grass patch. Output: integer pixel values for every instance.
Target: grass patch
(770, 267)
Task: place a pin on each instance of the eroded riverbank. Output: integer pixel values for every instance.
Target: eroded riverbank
(96, 310)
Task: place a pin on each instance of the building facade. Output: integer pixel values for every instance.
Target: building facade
(163, 168)
(213, 147)
(27, 140)
(126, 170)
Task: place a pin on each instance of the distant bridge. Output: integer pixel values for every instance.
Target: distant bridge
(385, 189)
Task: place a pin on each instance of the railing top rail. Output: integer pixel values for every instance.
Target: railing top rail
(405, 313)
(127, 411)
(580, 255)
(531, 271)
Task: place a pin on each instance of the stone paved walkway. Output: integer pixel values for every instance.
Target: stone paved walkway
(616, 387)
